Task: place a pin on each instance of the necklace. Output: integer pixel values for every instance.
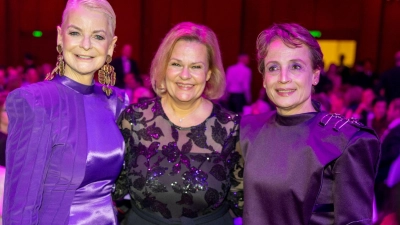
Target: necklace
(181, 120)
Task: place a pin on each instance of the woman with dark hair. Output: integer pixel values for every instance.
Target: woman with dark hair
(303, 166)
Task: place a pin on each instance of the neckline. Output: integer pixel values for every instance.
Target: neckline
(294, 120)
(78, 87)
(158, 102)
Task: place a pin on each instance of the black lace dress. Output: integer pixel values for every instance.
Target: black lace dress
(168, 180)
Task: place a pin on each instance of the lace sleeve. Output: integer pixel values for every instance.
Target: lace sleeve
(121, 184)
(235, 196)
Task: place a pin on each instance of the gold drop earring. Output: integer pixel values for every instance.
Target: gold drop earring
(107, 76)
(59, 69)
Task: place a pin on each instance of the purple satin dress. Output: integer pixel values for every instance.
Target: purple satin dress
(71, 150)
(92, 203)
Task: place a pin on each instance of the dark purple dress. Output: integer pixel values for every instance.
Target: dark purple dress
(168, 182)
(64, 152)
(311, 168)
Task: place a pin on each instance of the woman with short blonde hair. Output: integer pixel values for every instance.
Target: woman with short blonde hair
(62, 131)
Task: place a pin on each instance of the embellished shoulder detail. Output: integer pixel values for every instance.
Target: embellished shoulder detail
(339, 122)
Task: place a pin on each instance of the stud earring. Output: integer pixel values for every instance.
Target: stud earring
(107, 76)
(60, 66)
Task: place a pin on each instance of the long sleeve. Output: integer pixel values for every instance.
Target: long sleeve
(354, 175)
(235, 196)
(122, 183)
(27, 152)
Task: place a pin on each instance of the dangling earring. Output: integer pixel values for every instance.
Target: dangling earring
(107, 76)
(59, 69)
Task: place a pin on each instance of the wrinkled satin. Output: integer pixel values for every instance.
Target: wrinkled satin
(92, 203)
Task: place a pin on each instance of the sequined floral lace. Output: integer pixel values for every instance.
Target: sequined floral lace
(163, 173)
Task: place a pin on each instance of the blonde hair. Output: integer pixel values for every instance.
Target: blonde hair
(189, 31)
(98, 5)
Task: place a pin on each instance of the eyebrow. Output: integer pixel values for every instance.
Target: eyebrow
(181, 61)
(96, 31)
(298, 60)
(292, 60)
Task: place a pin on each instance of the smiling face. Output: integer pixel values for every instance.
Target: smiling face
(187, 71)
(289, 78)
(86, 40)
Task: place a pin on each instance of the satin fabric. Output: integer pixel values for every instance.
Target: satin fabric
(64, 151)
(92, 203)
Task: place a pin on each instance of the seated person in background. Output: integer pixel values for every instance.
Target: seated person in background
(124, 65)
(377, 120)
(130, 85)
(364, 108)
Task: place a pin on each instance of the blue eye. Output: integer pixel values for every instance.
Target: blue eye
(99, 37)
(73, 33)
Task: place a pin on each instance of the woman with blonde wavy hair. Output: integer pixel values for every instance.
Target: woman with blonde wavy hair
(180, 147)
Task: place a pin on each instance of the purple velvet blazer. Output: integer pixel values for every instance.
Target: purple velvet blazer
(47, 148)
